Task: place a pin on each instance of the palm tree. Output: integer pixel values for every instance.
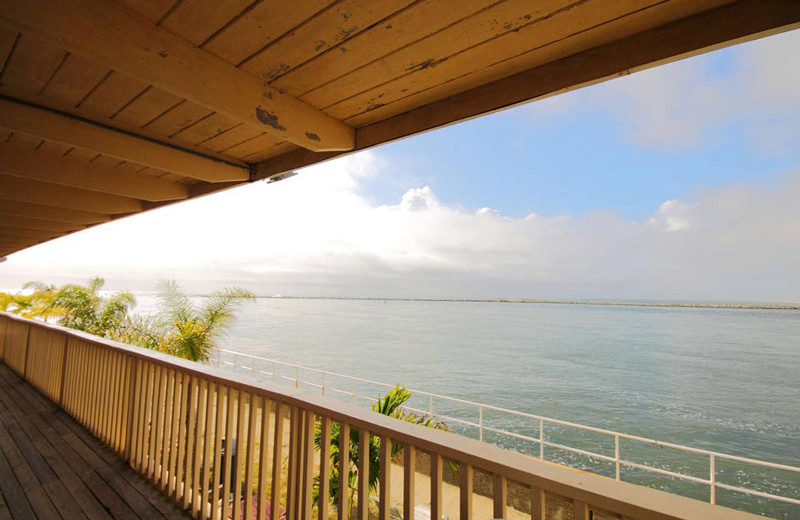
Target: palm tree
(33, 301)
(391, 405)
(181, 328)
(83, 308)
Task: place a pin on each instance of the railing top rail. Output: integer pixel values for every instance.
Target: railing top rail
(637, 438)
(621, 497)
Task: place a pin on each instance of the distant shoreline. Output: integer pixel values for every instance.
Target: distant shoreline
(763, 306)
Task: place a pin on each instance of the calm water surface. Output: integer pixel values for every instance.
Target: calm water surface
(720, 379)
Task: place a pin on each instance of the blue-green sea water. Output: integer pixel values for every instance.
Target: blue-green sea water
(726, 380)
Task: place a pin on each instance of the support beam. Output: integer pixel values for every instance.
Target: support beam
(25, 233)
(38, 223)
(24, 190)
(111, 34)
(17, 208)
(737, 22)
(10, 245)
(66, 171)
(67, 129)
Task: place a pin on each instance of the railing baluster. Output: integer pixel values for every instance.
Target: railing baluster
(363, 474)
(436, 486)
(465, 491)
(343, 512)
(263, 474)
(155, 421)
(178, 419)
(210, 449)
(179, 487)
(385, 477)
(538, 503)
(277, 458)
(241, 454)
(617, 456)
(308, 464)
(166, 443)
(249, 471)
(133, 409)
(291, 474)
(155, 477)
(500, 496)
(152, 412)
(409, 481)
(324, 468)
(192, 442)
(144, 400)
(582, 511)
(234, 395)
(222, 394)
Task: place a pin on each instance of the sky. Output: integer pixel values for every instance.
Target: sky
(676, 183)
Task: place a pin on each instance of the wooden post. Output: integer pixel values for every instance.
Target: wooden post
(363, 474)
(132, 402)
(343, 512)
(324, 467)
(436, 486)
(385, 477)
(465, 493)
(61, 391)
(409, 480)
(27, 348)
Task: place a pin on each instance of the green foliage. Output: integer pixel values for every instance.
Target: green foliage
(179, 328)
(182, 329)
(32, 302)
(81, 307)
(390, 405)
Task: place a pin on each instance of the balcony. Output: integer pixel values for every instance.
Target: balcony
(108, 418)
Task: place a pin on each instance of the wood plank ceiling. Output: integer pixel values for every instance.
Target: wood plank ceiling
(109, 108)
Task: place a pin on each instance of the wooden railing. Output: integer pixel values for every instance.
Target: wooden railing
(243, 449)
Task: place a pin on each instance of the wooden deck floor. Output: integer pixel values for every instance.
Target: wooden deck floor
(52, 468)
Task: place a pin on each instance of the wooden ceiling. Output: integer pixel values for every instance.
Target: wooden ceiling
(113, 107)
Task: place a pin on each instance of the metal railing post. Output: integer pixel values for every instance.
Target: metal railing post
(616, 454)
(480, 423)
(713, 477)
(541, 439)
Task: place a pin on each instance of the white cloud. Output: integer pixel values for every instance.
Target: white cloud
(682, 104)
(315, 234)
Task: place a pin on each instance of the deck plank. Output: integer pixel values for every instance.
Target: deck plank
(51, 467)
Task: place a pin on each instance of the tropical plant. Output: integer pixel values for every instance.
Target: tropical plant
(181, 328)
(390, 405)
(33, 301)
(82, 307)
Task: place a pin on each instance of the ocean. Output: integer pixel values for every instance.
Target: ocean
(726, 380)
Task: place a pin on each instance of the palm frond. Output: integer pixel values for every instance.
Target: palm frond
(173, 303)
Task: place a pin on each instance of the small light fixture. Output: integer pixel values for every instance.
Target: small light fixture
(281, 176)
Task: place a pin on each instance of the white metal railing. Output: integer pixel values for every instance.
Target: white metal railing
(261, 366)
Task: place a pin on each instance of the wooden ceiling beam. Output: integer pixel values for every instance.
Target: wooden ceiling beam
(109, 33)
(48, 194)
(43, 166)
(23, 232)
(68, 129)
(733, 23)
(38, 223)
(16, 208)
(11, 244)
